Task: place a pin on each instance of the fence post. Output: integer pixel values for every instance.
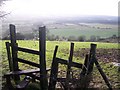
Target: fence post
(102, 73)
(42, 49)
(91, 57)
(54, 71)
(69, 66)
(9, 56)
(14, 50)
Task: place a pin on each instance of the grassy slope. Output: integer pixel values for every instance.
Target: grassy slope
(78, 30)
(63, 52)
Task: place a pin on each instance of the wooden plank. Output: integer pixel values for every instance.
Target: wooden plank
(73, 64)
(69, 66)
(28, 50)
(14, 50)
(9, 56)
(91, 56)
(24, 72)
(32, 73)
(42, 56)
(61, 61)
(102, 74)
(54, 71)
(28, 62)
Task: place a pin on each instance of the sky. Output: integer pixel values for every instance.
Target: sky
(48, 8)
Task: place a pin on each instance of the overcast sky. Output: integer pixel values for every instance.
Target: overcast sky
(61, 7)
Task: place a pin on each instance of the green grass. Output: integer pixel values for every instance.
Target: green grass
(111, 73)
(78, 30)
(63, 49)
(63, 52)
(64, 44)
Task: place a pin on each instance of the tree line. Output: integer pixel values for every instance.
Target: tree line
(35, 36)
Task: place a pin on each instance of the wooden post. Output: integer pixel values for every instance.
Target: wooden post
(69, 66)
(91, 56)
(14, 50)
(54, 71)
(102, 74)
(9, 56)
(42, 49)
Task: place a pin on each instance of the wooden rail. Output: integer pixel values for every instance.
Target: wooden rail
(73, 64)
(28, 50)
(28, 62)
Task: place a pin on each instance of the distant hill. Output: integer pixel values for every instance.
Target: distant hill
(70, 19)
(103, 26)
(90, 19)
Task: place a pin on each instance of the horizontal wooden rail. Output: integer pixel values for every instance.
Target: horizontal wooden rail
(24, 72)
(28, 62)
(28, 51)
(73, 64)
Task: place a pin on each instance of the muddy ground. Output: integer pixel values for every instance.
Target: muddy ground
(104, 55)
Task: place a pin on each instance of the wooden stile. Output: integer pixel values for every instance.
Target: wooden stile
(12, 50)
(13, 61)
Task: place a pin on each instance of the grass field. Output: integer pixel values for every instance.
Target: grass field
(63, 52)
(66, 30)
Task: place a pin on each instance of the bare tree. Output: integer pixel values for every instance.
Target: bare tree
(2, 13)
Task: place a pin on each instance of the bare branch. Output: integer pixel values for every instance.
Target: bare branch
(2, 13)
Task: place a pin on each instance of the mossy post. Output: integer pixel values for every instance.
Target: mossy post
(91, 57)
(68, 77)
(42, 56)
(14, 50)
